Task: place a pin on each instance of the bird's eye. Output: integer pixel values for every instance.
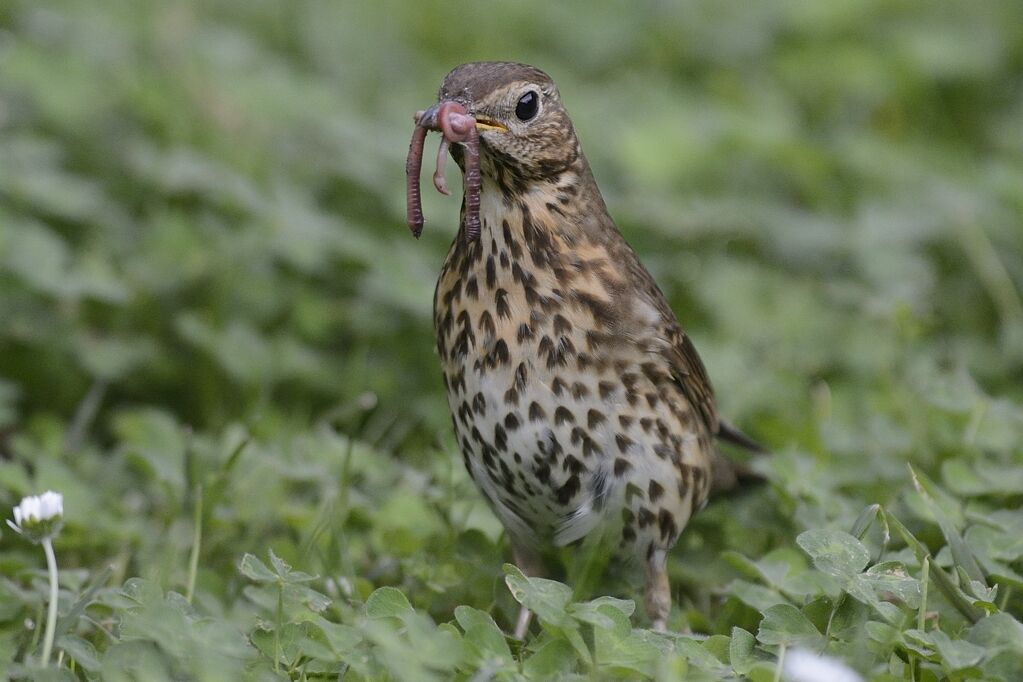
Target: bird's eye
(528, 105)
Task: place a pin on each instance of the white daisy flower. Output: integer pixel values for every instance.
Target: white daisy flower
(39, 516)
(802, 665)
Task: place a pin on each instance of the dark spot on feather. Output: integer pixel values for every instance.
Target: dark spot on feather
(632, 490)
(566, 492)
(621, 466)
(654, 491)
(503, 309)
(491, 272)
(666, 522)
(542, 471)
(520, 376)
(546, 346)
(645, 517)
(572, 464)
(486, 325)
(479, 404)
(664, 452)
(590, 447)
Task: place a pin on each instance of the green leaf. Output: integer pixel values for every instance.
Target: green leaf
(388, 602)
(960, 551)
(955, 654)
(482, 632)
(635, 652)
(254, 569)
(940, 577)
(698, 656)
(313, 600)
(552, 660)
(342, 639)
(83, 652)
(88, 595)
(834, 552)
(607, 613)
(547, 599)
(154, 438)
(292, 638)
(755, 596)
(864, 520)
(285, 572)
(785, 624)
(741, 651)
(281, 567)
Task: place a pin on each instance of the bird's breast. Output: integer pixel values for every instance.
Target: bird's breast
(563, 418)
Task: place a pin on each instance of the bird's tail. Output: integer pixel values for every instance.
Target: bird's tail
(728, 474)
(731, 434)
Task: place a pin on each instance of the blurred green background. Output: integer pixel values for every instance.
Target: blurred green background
(202, 202)
(202, 244)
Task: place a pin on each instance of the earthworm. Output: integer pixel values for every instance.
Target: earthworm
(438, 175)
(456, 125)
(413, 166)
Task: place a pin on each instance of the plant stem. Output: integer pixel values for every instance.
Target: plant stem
(193, 560)
(921, 618)
(51, 614)
(277, 629)
(780, 664)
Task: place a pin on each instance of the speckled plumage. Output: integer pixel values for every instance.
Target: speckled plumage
(577, 399)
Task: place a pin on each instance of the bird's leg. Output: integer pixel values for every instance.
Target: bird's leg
(530, 563)
(658, 590)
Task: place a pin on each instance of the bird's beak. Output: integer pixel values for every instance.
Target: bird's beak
(483, 123)
(429, 119)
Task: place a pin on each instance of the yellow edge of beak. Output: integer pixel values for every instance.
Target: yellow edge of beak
(490, 125)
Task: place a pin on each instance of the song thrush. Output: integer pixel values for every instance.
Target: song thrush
(578, 401)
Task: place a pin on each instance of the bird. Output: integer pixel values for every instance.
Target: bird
(578, 402)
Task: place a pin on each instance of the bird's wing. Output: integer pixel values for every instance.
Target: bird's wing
(684, 363)
(689, 374)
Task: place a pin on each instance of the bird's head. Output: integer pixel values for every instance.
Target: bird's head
(504, 121)
(524, 130)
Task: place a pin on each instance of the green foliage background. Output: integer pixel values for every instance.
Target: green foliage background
(214, 326)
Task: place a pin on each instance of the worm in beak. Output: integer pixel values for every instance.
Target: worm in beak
(455, 125)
